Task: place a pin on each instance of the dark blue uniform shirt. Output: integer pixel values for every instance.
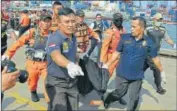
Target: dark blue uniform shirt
(58, 41)
(133, 55)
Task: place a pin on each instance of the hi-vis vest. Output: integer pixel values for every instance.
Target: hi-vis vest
(38, 50)
(157, 34)
(81, 30)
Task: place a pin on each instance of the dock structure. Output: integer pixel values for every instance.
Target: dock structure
(18, 98)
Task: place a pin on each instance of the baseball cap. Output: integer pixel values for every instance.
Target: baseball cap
(80, 13)
(45, 16)
(25, 11)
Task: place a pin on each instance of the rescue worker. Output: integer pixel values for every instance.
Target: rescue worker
(55, 7)
(132, 51)
(24, 22)
(62, 69)
(36, 63)
(4, 23)
(99, 27)
(99, 24)
(157, 32)
(83, 34)
(110, 42)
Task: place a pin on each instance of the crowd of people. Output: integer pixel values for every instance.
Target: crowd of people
(56, 42)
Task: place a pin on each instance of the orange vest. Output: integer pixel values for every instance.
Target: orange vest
(25, 20)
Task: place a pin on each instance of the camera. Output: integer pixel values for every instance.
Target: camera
(11, 68)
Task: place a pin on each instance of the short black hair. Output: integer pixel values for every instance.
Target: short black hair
(57, 3)
(142, 21)
(66, 11)
(98, 14)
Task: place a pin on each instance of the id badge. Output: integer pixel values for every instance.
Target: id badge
(65, 47)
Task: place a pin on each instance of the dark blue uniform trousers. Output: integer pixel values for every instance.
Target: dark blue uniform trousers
(156, 71)
(122, 86)
(63, 94)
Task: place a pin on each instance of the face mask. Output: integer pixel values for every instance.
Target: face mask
(118, 23)
(157, 24)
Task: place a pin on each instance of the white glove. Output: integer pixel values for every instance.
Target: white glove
(163, 77)
(174, 46)
(99, 40)
(74, 70)
(105, 66)
(4, 57)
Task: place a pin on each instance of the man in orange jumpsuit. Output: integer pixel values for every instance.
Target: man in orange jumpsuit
(83, 33)
(55, 7)
(111, 38)
(36, 63)
(24, 22)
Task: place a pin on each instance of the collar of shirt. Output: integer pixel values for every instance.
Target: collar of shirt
(64, 36)
(143, 38)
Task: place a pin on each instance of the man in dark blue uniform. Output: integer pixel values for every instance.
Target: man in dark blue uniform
(132, 50)
(61, 83)
(157, 32)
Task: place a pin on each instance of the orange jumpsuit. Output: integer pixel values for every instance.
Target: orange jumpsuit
(25, 20)
(34, 68)
(109, 45)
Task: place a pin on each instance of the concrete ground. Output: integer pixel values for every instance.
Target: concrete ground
(18, 98)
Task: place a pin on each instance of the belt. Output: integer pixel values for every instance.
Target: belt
(70, 82)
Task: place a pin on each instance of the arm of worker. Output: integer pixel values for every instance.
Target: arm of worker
(54, 49)
(107, 37)
(169, 40)
(94, 34)
(59, 59)
(19, 43)
(116, 54)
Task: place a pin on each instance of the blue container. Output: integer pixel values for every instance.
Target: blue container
(153, 12)
(171, 12)
(142, 14)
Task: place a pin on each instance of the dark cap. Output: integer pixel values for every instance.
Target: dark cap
(80, 13)
(44, 10)
(45, 16)
(117, 16)
(25, 11)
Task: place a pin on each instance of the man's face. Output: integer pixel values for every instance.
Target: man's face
(46, 24)
(56, 8)
(67, 24)
(98, 18)
(136, 28)
(80, 19)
